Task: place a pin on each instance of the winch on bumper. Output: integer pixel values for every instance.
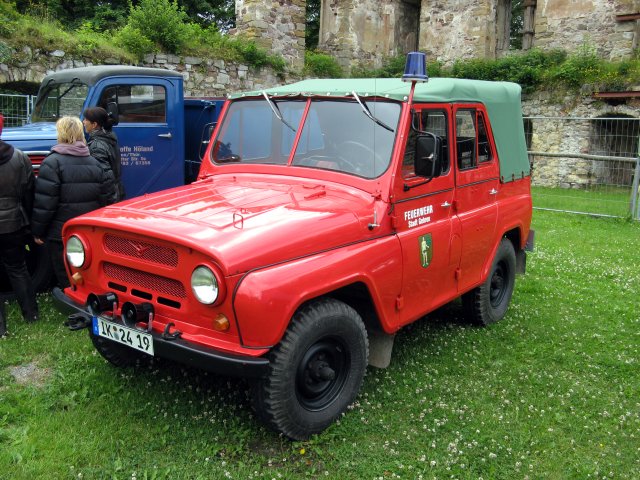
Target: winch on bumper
(168, 344)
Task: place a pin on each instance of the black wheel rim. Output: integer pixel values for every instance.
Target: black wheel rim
(322, 373)
(499, 284)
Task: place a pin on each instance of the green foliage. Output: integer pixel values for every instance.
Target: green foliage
(162, 22)
(134, 41)
(5, 52)
(321, 65)
(582, 67)
(312, 26)
(528, 68)
(393, 67)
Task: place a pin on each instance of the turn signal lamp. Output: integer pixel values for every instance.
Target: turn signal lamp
(221, 323)
(415, 69)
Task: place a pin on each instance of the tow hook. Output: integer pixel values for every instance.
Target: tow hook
(77, 321)
(171, 336)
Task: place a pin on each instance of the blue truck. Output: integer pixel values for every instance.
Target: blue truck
(162, 134)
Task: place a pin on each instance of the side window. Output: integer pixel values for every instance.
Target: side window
(466, 139)
(137, 103)
(472, 139)
(484, 146)
(426, 121)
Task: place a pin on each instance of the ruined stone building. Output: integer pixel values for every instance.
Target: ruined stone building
(367, 31)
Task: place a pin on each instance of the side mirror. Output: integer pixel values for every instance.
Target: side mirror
(428, 158)
(112, 110)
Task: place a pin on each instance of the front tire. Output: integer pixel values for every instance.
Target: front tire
(316, 370)
(489, 302)
(116, 354)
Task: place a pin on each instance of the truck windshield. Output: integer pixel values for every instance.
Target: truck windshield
(56, 100)
(336, 135)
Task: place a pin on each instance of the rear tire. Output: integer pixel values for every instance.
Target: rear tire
(315, 372)
(116, 354)
(489, 302)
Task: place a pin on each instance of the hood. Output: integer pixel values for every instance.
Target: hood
(244, 222)
(105, 136)
(32, 137)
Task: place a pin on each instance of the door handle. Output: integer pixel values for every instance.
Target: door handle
(166, 135)
(493, 192)
(445, 204)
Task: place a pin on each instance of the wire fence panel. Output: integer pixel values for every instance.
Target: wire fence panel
(585, 165)
(16, 109)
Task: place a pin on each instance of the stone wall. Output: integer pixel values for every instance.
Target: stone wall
(564, 125)
(567, 24)
(364, 32)
(450, 29)
(276, 25)
(203, 76)
(368, 30)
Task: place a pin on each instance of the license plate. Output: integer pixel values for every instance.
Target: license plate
(126, 336)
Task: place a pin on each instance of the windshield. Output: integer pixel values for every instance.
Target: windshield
(56, 100)
(336, 135)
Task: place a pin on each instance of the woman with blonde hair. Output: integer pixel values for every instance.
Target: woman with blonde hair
(70, 182)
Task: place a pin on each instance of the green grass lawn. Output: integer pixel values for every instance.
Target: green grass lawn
(552, 391)
(600, 200)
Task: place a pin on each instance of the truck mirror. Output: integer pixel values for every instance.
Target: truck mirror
(205, 139)
(427, 158)
(112, 110)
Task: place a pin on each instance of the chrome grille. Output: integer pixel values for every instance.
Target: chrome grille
(144, 280)
(141, 250)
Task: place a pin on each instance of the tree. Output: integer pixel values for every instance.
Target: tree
(112, 14)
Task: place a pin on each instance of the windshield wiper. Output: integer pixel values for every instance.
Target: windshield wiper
(276, 110)
(367, 112)
(74, 83)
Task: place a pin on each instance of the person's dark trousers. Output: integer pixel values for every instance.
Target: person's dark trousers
(12, 254)
(3, 320)
(56, 253)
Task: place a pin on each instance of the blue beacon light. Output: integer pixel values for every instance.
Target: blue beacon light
(415, 70)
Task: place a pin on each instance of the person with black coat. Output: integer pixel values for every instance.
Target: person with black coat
(103, 143)
(16, 201)
(70, 183)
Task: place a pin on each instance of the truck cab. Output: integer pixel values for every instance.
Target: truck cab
(153, 121)
(326, 216)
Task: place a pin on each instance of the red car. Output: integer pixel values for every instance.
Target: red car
(327, 214)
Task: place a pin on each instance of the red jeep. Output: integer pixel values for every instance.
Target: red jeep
(326, 215)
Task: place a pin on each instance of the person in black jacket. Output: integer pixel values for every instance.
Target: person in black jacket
(16, 201)
(103, 143)
(70, 182)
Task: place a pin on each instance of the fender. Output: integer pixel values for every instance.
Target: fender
(265, 300)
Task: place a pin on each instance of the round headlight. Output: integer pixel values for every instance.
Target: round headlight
(75, 252)
(204, 285)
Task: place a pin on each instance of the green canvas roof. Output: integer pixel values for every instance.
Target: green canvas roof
(501, 99)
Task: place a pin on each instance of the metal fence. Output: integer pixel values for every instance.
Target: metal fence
(16, 108)
(585, 165)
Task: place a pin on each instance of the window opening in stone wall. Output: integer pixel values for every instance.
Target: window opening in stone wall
(615, 135)
(312, 30)
(520, 24)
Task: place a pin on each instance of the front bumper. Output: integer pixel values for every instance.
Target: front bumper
(180, 350)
